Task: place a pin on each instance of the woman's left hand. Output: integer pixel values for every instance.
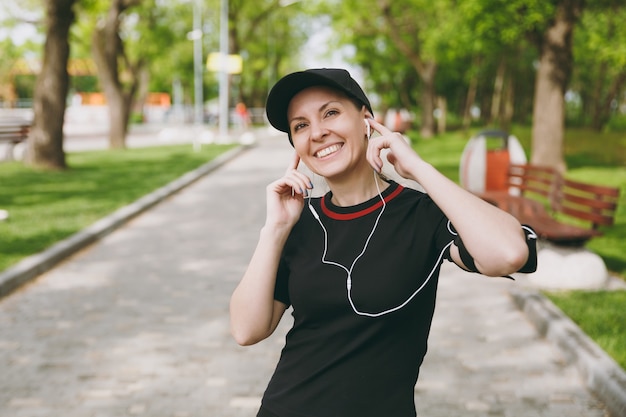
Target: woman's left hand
(494, 238)
(401, 155)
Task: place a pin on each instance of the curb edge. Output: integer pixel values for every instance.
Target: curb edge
(32, 266)
(600, 373)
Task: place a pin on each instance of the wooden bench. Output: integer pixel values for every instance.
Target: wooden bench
(560, 210)
(13, 132)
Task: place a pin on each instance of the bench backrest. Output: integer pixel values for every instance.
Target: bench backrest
(13, 132)
(527, 178)
(594, 204)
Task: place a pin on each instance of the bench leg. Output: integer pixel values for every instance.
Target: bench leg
(8, 151)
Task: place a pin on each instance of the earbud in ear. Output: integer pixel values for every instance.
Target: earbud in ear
(369, 129)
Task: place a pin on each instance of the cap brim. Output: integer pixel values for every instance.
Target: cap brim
(285, 89)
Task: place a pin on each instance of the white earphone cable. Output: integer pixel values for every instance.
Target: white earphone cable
(367, 241)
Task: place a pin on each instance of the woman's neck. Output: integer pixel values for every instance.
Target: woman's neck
(357, 191)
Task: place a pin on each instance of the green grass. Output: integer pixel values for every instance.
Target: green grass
(591, 157)
(45, 207)
(585, 147)
(444, 152)
(605, 325)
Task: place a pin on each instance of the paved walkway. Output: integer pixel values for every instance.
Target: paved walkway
(137, 324)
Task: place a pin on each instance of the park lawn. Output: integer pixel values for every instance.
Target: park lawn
(591, 157)
(606, 325)
(46, 207)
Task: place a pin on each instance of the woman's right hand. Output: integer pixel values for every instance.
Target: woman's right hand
(285, 196)
(254, 313)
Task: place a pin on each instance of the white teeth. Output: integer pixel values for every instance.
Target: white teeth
(327, 151)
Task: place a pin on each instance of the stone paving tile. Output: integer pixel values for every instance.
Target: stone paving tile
(485, 358)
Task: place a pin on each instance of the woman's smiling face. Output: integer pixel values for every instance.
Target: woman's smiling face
(328, 131)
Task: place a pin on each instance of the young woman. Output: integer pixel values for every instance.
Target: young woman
(360, 264)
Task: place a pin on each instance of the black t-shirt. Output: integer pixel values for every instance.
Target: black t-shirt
(360, 359)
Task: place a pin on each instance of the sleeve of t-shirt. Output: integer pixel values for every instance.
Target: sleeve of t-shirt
(281, 290)
(443, 233)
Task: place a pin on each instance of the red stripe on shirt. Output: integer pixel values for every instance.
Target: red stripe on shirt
(351, 216)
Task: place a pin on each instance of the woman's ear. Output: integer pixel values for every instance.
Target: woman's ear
(366, 113)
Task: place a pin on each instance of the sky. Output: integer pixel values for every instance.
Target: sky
(21, 32)
(317, 55)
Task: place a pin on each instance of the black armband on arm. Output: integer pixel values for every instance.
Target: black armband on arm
(531, 242)
(529, 266)
(467, 259)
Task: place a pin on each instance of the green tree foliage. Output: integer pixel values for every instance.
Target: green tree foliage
(139, 46)
(498, 36)
(17, 54)
(469, 54)
(10, 56)
(153, 32)
(600, 65)
(164, 42)
(268, 34)
(411, 36)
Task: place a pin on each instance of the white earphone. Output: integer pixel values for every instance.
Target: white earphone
(348, 270)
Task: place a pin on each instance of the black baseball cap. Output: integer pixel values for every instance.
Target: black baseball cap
(290, 85)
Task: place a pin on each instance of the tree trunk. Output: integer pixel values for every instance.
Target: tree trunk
(471, 98)
(119, 116)
(596, 97)
(509, 104)
(45, 145)
(108, 53)
(427, 129)
(604, 112)
(143, 90)
(425, 69)
(442, 116)
(553, 75)
(498, 88)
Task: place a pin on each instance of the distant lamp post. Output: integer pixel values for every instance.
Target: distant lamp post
(224, 65)
(223, 74)
(196, 36)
